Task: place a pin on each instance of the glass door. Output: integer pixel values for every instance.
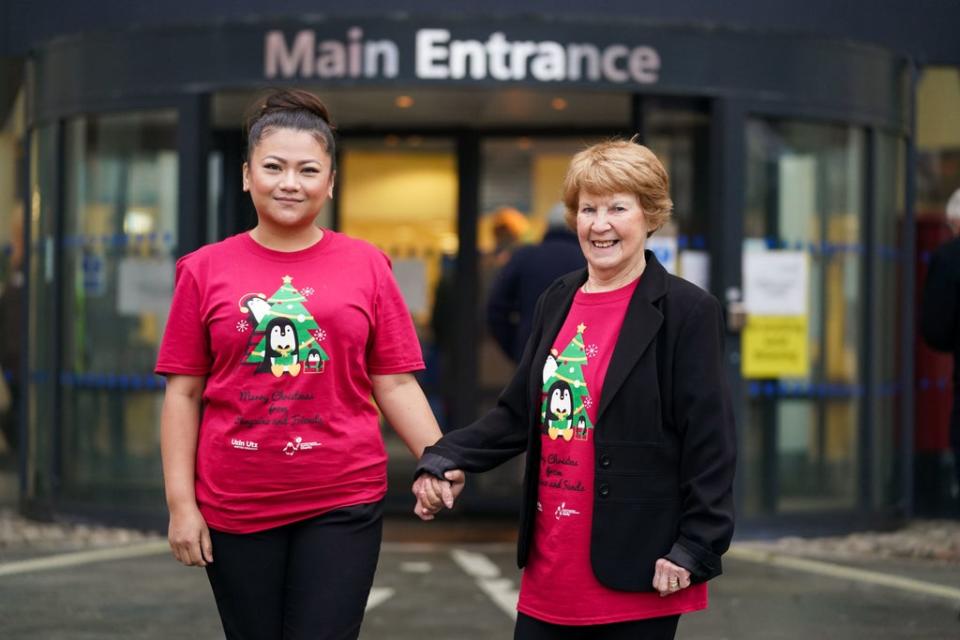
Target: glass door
(803, 258)
(400, 193)
(119, 242)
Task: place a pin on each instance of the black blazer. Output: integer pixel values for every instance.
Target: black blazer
(664, 437)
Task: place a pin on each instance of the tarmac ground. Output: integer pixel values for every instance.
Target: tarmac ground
(122, 585)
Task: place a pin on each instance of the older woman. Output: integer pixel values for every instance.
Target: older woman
(621, 403)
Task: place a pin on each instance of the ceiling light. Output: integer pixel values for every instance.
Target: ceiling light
(403, 102)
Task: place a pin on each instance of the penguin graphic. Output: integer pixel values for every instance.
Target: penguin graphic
(282, 349)
(581, 428)
(550, 366)
(314, 364)
(559, 411)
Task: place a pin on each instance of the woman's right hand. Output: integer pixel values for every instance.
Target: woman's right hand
(189, 537)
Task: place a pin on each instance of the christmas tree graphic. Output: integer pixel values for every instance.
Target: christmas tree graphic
(288, 333)
(564, 408)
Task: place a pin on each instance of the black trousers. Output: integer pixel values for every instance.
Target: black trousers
(308, 579)
(664, 628)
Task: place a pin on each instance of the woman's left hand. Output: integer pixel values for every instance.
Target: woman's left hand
(670, 578)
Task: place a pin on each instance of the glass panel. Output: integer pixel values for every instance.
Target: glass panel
(804, 193)
(119, 235)
(12, 150)
(215, 174)
(401, 195)
(938, 139)
(42, 353)
(678, 132)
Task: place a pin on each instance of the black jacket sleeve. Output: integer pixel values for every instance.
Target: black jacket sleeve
(496, 437)
(938, 310)
(703, 413)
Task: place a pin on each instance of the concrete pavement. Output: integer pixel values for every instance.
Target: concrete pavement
(465, 591)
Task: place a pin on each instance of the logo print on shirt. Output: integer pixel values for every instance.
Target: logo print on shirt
(563, 512)
(297, 444)
(287, 338)
(246, 445)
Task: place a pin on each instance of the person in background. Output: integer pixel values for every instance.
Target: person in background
(509, 227)
(620, 402)
(510, 230)
(526, 275)
(273, 461)
(940, 314)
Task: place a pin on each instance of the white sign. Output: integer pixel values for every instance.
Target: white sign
(695, 267)
(439, 56)
(144, 285)
(411, 275)
(665, 248)
(776, 283)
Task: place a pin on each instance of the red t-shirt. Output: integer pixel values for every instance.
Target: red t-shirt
(558, 584)
(287, 342)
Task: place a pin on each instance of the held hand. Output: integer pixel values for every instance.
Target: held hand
(189, 537)
(428, 491)
(670, 578)
(424, 512)
(433, 494)
(428, 497)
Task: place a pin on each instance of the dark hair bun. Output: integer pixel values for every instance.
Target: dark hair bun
(290, 109)
(285, 100)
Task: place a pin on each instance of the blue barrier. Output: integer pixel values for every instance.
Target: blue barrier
(113, 381)
(799, 389)
(117, 240)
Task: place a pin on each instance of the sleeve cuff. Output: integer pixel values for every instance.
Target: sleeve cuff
(434, 464)
(702, 564)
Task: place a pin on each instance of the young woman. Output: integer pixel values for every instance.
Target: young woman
(274, 466)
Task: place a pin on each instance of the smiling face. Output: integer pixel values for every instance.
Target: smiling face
(289, 177)
(612, 230)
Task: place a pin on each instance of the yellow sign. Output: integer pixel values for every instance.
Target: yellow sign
(775, 347)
